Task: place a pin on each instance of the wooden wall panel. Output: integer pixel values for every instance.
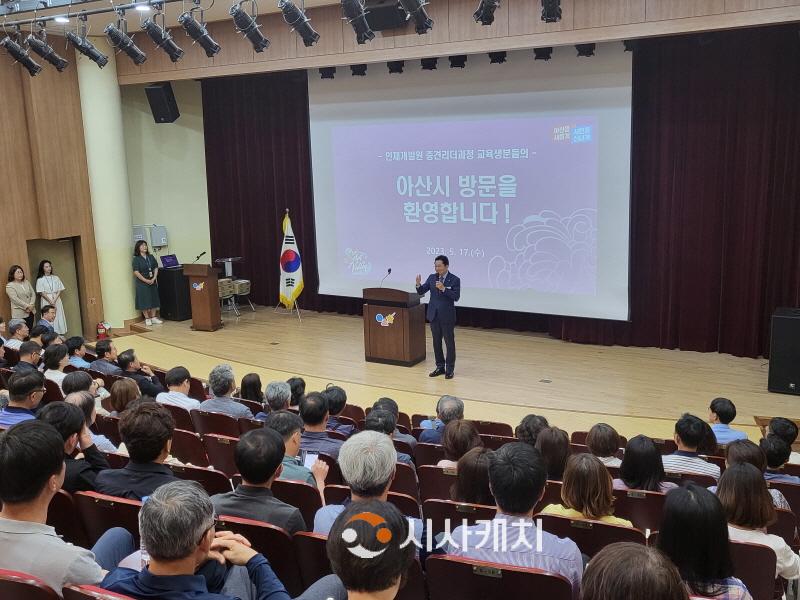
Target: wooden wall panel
(463, 26)
(525, 17)
(327, 21)
(236, 49)
(281, 37)
(591, 13)
(194, 56)
(741, 5)
(658, 10)
(440, 13)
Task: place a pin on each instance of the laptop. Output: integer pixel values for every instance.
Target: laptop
(170, 261)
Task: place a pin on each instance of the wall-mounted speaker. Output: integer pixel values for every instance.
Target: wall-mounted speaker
(162, 102)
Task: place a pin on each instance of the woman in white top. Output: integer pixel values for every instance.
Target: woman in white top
(749, 510)
(50, 287)
(55, 359)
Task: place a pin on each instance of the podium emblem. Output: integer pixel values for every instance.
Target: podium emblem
(385, 321)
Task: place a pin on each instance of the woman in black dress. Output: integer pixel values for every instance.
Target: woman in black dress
(145, 269)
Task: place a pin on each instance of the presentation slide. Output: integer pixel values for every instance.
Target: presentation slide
(518, 173)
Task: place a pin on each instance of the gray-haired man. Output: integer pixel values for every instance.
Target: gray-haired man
(222, 383)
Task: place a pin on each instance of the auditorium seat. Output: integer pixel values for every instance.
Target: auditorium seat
(348, 421)
(494, 442)
(52, 392)
(680, 478)
(402, 446)
(220, 451)
(213, 482)
(11, 357)
(467, 579)
(334, 472)
(428, 454)
(438, 512)
(70, 368)
(416, 585)
(754, 564)
(217, 423)
(493, 428)
(91, 592)
(552, 495)
(590, 536)
(100, 513)
(161, 374)
(116, 460)
(416, 431)
(405, 481)
(791, 469)
(183, 420)
(785, 526)
(403, 429)
(435, 482)
(579, 437)
(641, 508)
(301, 495)
(404, 421)
(246, 425)
(196, 389)
(578, 448)
(337, 435)
(15, 585)
(187, 447)
(417, 419)
(339, 494)
(312, 556)
(61, 517)
(271, 541)
(351, 411)
(109, 427)
(791, 491)
(716, 460)
(336, 494)
(255, 407)
(665, 446)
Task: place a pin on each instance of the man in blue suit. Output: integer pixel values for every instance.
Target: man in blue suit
(445, 289)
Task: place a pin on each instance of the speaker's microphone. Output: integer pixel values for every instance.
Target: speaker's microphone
(198, 257)
(388, 272)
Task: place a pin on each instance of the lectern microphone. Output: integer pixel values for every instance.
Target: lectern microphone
(388, 272)
(198, 257)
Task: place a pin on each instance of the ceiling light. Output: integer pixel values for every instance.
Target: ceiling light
(62, 20)
(358, 70)
(551, 11)
(429, 64)
(198, 32)
(416, 10)
(354, 14)
(247, 26)
(118, 38)
(162, 39)
(40, 46)
(458, 62)
(485, 13)
(296, 18)
(20, 55)
(143, 8)
(86, 48)
(585, 50)
(543, 53)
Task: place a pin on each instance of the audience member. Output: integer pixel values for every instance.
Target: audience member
(122, 393)
(222, 382)
(694, 535)
(259, 456)
(390, 405)
(459, 437)
(337, 400)
(690, 434)
(146, 430)
(298, 387)
(528, 429)
(35, 334)
(777, 453)
(48, 317)
(472, 478)
(518, 474)
(721, 413)
(81, 471)
(587, 492)
(3, 362)
(250, 389)
(627, 570)
(50, 337)
(289, 426)
(21, 295)
(787, 431)
(749, 510)
(18, 330)
(177, 528)
(55, 359)
(106, 361)
(85, 401)
(314, 438)
(278, 394)
(177, 394)
(29, 354)
(76, 346)
(448, 408)
(603, 441)
(25, 392)
(144, 377)
(642, 468)
(384, 421)
(3, 332)
(553, 443)
(31, 473)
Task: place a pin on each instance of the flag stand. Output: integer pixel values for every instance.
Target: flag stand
(295, 308)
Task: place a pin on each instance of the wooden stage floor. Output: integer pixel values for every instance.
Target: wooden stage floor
(500, 374)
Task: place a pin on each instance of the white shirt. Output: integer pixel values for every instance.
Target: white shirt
(794, 458)
(788, 563)
(610, 461)
(13, 343)
(689, 462)
(178, 399)
(55, 375)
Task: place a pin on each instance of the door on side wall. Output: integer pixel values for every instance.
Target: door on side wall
(61, 254)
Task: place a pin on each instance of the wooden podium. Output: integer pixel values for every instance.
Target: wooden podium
(394, 327)
(204, 293)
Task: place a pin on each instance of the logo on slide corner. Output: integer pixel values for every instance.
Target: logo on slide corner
(385, 321)
(198, 287)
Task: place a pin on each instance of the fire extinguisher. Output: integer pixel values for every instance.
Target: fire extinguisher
(102, 331)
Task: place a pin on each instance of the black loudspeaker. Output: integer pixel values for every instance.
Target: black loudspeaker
(173, 292)
(385, 14)
(784, 351)
(162, 102)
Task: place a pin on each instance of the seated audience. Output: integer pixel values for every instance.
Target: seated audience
(277, 396)
(3, 332)
(603, 441)
(448, 408)
(259, 455)
(29, 354)
(298, 387)
(146, 430)
(31, 473)
(518, 475)
(528, 429)
(367, 461)
(587, 492)
(106, 361)
(76, 347)
(721, 413)
(459, 437)
(85, 401)
(553, 443)
(222, 383)
(50, 337)
(251, 388)
(289, 425)
(3, 363)
(25, 392)
(337, 400)
(177, 528)
(48, 317)
(177, 394)
(18, 330)
(36, 333)
(626, 570)
(384, 421)
(642, 468)
(749, 511)
(690, 434)
(694, 535)
(122, 393)
(144, 377)
(777, 452)
(314, 438)
(787, 431)
(55, 359)
(81, 471)
(390, 405)
(81, 381)
(472, 478)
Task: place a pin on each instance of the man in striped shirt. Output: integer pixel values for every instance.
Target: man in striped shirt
(690, 433)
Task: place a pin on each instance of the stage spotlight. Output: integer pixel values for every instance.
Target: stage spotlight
(396, 66)
(327, 72)
(543, 53)
(458, 62)
(297, 20)
(416, 10)
(497, 58)
(354, 14)
(86, 48)
(198, 32)
(551, 11)
(358, 70)
(485, 13)
(429, 64)
(162, 39)
(121, 40)
(19, 54)
(45, 50)
(585, 50)
(247, 26)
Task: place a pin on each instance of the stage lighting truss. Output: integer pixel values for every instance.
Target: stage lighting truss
(20, 55)
(83, 45)
(118, 38)
(38, 43)
(296, 18)
(246, 25)
(416, 10)
(354, 14)
(485, 13)
(551, 11)
(157, 31)
(197, 29)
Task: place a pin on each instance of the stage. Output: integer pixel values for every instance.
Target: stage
(500, 374)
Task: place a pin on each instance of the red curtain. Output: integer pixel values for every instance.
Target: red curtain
(715, 192)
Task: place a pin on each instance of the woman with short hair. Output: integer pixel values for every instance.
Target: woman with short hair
(472, 478)
(603, 441)
(459, 437)
(21, 295)
(553, 443)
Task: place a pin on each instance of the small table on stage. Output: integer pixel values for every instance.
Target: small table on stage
(394, 327)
